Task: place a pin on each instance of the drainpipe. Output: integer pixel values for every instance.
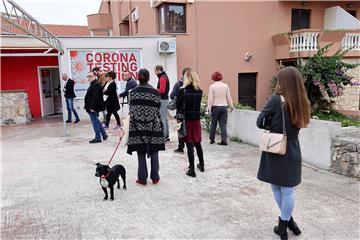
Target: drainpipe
(130, 19)
(196, 38)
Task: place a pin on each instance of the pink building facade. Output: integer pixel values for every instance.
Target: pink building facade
(245, 40)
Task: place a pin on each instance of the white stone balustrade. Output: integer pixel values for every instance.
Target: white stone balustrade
(351, 41)
(304, 42)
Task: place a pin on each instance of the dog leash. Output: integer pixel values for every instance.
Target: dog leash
(123, 133)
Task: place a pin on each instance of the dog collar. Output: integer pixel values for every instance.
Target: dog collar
(105, 175)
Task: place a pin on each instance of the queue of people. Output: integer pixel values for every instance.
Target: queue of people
(287, 110)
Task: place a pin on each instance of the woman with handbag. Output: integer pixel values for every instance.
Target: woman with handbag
(188, 112)
(287, 111)
(172, 106)
(146, 135)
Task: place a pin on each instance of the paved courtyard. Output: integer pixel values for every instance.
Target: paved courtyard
(49, 191)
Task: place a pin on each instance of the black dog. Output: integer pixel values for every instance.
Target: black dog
(108, 177)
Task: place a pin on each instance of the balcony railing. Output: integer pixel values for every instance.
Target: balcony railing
(351, 41)
(304, 42)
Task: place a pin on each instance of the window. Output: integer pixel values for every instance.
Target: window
(172, 18)
(300, 19)
(352, 13)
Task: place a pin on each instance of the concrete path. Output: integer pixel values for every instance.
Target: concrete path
(49, 191)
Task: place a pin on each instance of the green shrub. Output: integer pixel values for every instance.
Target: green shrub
(325, 76)
(242, 107)
(337, 117)
(235, 139)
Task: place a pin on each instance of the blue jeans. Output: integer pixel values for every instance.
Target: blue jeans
(98, 128)
(285, 199)
(70, 108)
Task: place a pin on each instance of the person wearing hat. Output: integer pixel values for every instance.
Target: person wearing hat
(218, 102)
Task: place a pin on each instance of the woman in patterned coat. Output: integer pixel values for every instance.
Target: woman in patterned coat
(146, 135)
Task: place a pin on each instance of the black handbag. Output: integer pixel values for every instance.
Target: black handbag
(181, 126)
(172, 104)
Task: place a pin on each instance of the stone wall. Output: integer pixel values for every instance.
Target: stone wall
(346, 153)
(15, 108)
(350, 100)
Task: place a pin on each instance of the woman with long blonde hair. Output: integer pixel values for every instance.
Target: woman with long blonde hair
(188, 110)
(283, 172)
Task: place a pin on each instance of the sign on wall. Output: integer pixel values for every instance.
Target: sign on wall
(117, 60)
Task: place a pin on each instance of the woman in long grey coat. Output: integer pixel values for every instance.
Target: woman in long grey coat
(146, 135)
(283, 172)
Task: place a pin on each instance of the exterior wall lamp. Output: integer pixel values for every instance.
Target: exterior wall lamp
(248, 56)
(304, 4)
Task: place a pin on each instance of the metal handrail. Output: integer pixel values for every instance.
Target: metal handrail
(18, 17)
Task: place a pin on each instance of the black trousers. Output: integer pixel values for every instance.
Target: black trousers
(181, 144)
(108, 116)
(218, 114)
(142, 166)
(190, 153)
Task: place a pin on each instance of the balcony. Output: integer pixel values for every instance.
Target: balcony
(351, 41)
(99, 22)
(305, 43)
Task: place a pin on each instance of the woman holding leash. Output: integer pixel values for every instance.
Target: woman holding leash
(283, 172)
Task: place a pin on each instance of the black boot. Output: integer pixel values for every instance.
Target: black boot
(281, 229)
(292, 226)
(191, 172)
(200, 167)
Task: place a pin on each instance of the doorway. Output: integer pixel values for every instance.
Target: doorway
(247, 89)
(50, 92)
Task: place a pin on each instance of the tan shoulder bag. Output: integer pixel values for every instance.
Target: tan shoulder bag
(275, 142)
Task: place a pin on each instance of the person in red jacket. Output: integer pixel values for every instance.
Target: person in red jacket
(163, 88)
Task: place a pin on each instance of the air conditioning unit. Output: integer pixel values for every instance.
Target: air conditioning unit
(135, 15)
(166, 46)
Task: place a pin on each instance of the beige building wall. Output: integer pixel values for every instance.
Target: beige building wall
(219, 34)
(317, 12)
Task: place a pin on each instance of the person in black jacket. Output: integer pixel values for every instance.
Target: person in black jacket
(130, 84)
(188, 105)
(173, 95)
(112, 101)
(94, 103)
(69, 97)
(283, 172)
